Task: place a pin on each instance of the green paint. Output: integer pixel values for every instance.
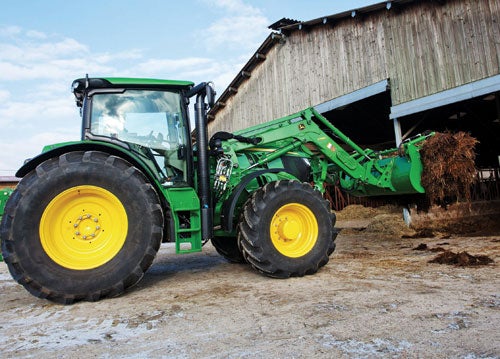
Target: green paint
(4, 196)
(147, 82)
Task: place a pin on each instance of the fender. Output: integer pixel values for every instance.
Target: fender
(229, 205)
(112, 149)
(116, 150)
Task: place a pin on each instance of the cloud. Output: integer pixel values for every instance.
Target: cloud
(240, 31)
(242, 26)
(7, 31)
(31, 122)
(25, 49)
(37, 113)
(235, 6)
(14, 153)
(171, 66)
(36, 34)
(32, 55)
(4, 95)
(196, 69)
(53, 69)
(132, 54)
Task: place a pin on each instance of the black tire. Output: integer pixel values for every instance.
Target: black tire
(228, 248)
(99, 253)
(302, 235)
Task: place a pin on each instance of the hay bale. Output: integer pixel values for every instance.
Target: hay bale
(448, 166)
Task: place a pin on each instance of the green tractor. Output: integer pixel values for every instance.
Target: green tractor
(4, 196)
(88, 217)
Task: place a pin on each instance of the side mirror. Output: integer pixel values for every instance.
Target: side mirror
(210, 93)
(181, 152)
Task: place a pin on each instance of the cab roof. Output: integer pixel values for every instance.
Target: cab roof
(82, 85)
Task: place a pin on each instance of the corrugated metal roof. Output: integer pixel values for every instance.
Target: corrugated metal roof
(282, 22)
(359, 13)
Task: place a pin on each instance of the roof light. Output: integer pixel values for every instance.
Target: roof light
(74, 86)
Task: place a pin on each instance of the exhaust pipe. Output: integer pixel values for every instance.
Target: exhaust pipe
(203, 90)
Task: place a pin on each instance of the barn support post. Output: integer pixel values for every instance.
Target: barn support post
(397, 131)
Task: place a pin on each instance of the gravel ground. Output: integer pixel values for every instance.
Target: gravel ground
(378, 297)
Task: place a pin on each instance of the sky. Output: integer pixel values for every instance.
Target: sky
(46, 44)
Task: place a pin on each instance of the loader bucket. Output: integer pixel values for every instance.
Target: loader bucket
(407, 172)
(402, 175)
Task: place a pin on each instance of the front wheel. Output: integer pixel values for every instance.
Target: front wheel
(228, 248)
(82, 226)
(287, 230)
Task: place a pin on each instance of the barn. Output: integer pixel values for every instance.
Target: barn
(8, 182)
(381, 74)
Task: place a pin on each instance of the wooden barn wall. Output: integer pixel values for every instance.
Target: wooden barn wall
(422, 48)
(432, 48)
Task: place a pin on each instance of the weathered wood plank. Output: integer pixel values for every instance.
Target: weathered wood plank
(423, 48)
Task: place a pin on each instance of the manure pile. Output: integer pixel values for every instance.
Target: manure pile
(448, 166)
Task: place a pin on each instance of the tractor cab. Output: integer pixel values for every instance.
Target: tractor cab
(149, 118)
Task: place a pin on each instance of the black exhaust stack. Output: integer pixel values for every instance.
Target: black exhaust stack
(203, 90)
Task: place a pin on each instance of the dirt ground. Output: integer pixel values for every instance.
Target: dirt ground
(378, 297)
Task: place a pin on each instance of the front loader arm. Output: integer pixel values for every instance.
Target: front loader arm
(360, 171)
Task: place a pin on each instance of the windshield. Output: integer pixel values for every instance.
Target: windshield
(148, 118)
(152, 119)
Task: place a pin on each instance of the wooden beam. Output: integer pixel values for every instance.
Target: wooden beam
(276, 36)
(260, 56)
(329, 22)
(304, 27)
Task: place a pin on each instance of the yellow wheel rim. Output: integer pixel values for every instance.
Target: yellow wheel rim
(294, 230)
(83, 227)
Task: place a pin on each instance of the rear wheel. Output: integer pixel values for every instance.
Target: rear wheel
(82, 226)
(287, 230)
